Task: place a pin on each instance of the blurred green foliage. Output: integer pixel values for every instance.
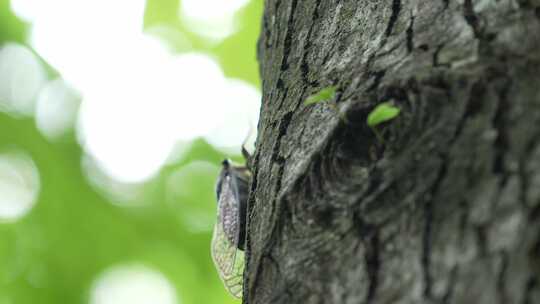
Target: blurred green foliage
(75, 231)
(236, 54)
(11, 28)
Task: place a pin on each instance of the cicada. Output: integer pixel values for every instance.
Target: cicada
(228, 240)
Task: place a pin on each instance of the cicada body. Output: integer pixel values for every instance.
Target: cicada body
(229, 232)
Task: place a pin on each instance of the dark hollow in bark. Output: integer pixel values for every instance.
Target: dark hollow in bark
(444, 209)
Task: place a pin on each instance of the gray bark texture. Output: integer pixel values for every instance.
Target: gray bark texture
(444, 209)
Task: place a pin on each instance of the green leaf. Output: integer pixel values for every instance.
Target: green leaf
(383, 112)
(325, 94)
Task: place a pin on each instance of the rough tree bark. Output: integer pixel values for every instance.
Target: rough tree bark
(447, 208)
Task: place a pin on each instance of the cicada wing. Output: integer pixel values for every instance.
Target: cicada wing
(234, 283)
(223, 251)
(229, 262)
(228, 259)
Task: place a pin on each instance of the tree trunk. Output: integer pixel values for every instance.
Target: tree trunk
(445, 207)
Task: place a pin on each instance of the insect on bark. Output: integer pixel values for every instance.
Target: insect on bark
(228, 240)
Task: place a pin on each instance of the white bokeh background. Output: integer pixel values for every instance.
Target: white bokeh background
(19, 185)
(137, 98)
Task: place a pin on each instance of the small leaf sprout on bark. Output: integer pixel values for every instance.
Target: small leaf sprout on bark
(382, 113)
(326, 94)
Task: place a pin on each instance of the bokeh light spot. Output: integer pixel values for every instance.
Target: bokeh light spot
(125, 138)
(19, 185)
(56, 109)
(132, 284)
(21, 77)
(209, 18)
